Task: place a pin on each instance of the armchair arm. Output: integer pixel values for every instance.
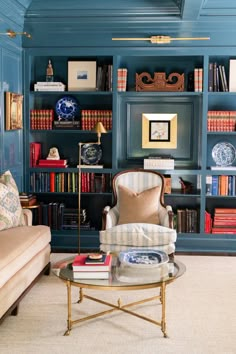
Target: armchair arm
(109, 217)
(166, 216)
(28, 216)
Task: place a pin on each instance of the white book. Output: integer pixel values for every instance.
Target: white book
(91, 275)
(223, 168)
(49, 83)
(49, 88)
(232, 75)
(89, 166)
(159, 164)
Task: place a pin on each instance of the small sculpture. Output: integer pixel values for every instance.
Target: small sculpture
(49, 72)
(186, 186)
(53, 154)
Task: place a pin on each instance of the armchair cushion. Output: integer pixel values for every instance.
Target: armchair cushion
(138, 207)
(169, 249)
(11, 213)
(138, 234)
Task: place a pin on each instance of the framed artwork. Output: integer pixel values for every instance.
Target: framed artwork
(159, 131)
(13, 111)
(82, 75)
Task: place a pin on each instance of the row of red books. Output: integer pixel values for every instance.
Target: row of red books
(85, 267)
(221, 120)
(89, 118)
(224, 221)
(41, 119)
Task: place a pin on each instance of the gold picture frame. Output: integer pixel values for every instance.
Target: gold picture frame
(82, 75)
(159, 130)
(13, 111)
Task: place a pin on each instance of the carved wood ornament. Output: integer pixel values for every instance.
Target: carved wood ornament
(174, 82)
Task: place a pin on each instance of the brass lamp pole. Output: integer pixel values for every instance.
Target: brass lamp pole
(99, 129)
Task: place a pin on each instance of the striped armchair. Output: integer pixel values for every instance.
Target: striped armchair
(139, 217)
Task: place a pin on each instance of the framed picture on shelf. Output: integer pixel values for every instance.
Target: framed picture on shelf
(159, 131)
(82, 75)
(13, 111)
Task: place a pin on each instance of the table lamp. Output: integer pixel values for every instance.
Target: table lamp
(99, 129)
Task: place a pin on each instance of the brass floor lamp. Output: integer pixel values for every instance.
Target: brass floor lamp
(99, 129)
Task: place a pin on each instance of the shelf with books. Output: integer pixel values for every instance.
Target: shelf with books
(183, 64)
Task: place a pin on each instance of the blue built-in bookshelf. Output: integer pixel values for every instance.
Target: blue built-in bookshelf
(122, 145)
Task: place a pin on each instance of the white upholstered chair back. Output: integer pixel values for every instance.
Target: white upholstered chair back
(138, 181)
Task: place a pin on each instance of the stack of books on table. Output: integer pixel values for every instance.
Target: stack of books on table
(52, 163)
(85, 267)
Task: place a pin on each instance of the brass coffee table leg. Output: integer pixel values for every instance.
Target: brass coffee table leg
(81, 296)
(69, 322)
(163, 306)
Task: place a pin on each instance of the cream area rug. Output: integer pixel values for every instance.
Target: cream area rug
(201, 316)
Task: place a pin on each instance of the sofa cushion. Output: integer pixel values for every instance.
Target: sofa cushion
(18, 246)
(138, 207)
(11, 213)
(138, 234)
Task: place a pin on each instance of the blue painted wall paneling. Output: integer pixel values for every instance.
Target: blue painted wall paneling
(11, 142)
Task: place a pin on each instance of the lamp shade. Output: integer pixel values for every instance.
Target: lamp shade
(99, 128)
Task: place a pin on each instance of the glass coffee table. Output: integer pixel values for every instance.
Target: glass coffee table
(120, 279)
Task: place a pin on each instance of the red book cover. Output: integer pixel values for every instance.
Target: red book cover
(42, 165)
(224, 230)
(61, 162)
(225, 210)
(79, 264)
(35, 153)
(52, 181)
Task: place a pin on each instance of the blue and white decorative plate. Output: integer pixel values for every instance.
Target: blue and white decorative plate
(223, 154)
(66, 108)
(91, 154)
(144, 258)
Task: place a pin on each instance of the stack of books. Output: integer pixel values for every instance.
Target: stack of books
(27, 200)
(62, 163)
(224, 221)
(49, 86)
(153, 163)
(87, 266)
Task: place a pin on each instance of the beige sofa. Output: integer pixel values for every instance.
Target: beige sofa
(24, 256)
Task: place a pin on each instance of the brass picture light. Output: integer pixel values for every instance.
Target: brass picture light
(162, 39)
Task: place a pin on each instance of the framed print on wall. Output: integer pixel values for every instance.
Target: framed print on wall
(159, 131)
(13, 111)
(82, 75)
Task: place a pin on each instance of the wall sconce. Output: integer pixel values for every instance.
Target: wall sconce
(12, 34)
